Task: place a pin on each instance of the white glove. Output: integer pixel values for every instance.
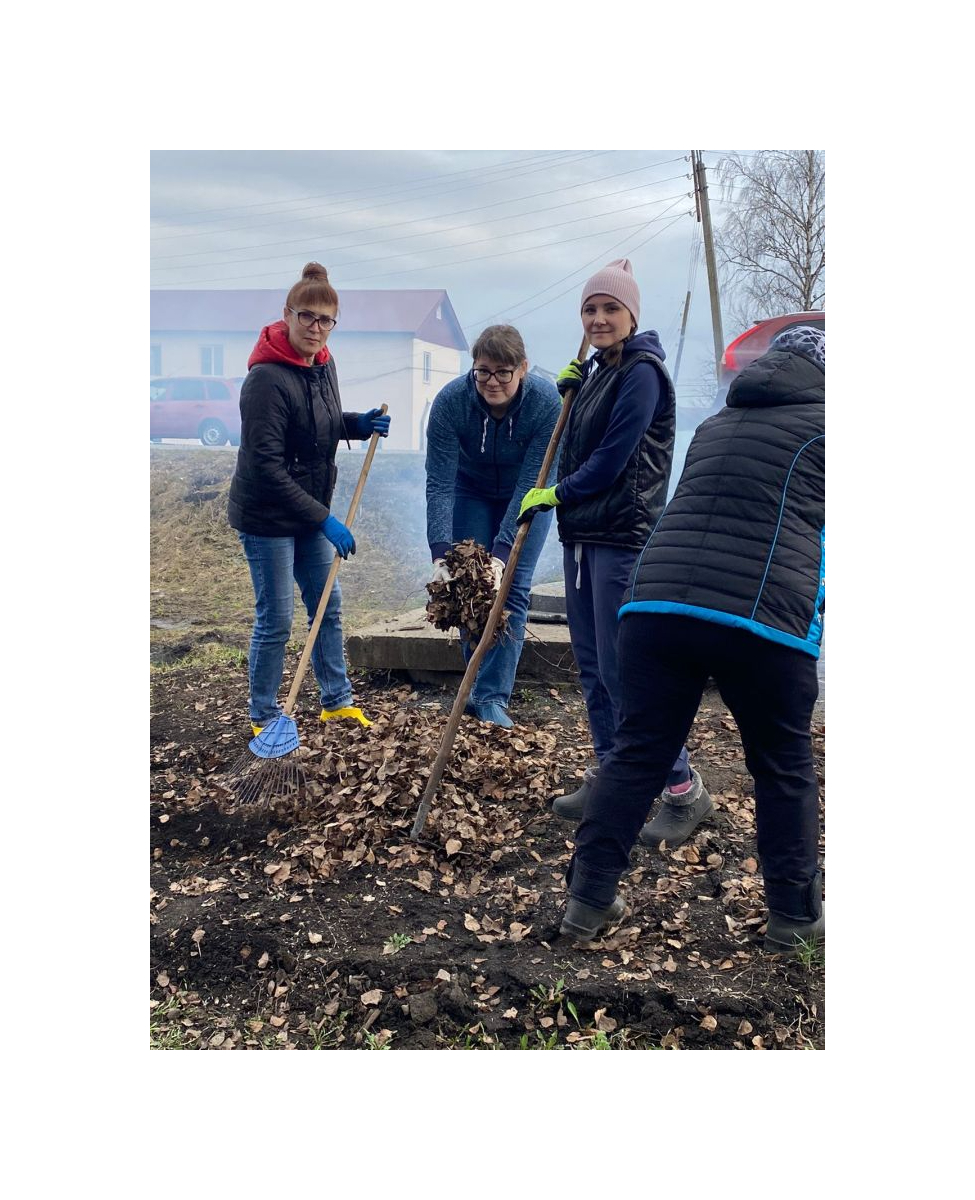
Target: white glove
(440, 572)
(497, 566)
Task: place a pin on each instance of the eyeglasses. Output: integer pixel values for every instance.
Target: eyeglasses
(308, 320)
(502, 376)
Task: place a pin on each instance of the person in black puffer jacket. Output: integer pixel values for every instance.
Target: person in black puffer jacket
(731, 586)
(614, 468)
(291, 426)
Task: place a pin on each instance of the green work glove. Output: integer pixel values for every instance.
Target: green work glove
(536, 501)
(569, 378)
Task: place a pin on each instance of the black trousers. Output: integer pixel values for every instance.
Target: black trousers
(665, 663)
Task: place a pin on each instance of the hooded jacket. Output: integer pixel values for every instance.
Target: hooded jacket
(497, 458)
(742, 542)
(291, 425)
(618, 448)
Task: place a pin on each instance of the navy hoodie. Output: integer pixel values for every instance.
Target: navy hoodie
(632, 416)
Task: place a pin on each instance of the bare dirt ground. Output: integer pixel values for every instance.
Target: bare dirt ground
(317, 923)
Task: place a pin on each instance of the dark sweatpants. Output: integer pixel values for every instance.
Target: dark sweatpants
(602, 574)
(665, 662)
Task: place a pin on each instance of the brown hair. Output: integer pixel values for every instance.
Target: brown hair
(612, 355)
(502, 343)
(313, 288)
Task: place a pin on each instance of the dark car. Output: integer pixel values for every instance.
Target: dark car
(195, 406)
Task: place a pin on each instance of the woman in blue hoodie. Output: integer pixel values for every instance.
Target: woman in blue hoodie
(614, 468)
(486, 438)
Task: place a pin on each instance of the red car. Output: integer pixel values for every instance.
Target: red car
(195, 406)
(754, 342)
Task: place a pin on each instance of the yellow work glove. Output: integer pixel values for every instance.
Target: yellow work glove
(536, 501)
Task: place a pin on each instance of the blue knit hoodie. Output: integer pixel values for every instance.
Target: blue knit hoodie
(498, 458)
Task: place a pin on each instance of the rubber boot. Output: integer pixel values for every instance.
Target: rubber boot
(348, 713)
(678, 816)
(572, 806)
(789, 935)
(583, 922)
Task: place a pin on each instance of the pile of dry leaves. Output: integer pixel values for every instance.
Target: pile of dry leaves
(362, 789)
(466, 601)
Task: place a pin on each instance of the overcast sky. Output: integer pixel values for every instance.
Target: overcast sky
(510, 235)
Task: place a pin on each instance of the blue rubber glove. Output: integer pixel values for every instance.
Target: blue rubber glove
(373, 421)
(569, 378)
(536, 501)
(339, 535)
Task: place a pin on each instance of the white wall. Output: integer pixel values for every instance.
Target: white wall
(373, 369)
(181, 351)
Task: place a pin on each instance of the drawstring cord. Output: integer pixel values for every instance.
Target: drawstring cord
(577, 555)
(484, 435)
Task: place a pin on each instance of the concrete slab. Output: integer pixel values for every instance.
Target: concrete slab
(548, 598)
(410, 643)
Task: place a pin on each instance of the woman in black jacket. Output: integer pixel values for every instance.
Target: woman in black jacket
(730, 586)
(291, 425)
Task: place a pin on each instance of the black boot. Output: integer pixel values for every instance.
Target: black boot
(788, 935)
(572, 806)
(678, 816)
(583, 922)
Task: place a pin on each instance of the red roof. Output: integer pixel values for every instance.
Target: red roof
(249, 310)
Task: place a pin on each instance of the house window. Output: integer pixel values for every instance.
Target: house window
(211, 360)
(426, 366)
(155, 360)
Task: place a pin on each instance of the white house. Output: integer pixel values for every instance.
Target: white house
(393, 347)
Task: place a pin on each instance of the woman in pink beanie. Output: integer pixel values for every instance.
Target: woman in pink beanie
(614, 468)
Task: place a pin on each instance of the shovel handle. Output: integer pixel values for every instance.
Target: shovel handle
(467, 683)
(333, 571)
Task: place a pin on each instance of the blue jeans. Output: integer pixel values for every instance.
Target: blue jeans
(480, 519)
(602, 573)
(276, 564)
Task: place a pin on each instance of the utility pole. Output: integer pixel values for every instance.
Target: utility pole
(680, 344)
(704, 216)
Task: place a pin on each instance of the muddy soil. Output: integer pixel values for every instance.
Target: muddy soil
(314, 922)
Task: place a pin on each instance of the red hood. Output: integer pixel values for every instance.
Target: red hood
(273, 346)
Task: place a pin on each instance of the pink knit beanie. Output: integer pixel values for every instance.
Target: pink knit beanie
(616, 280)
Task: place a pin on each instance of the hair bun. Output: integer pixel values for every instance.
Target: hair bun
(314, 270)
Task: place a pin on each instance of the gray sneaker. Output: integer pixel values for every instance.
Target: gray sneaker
(678, 816)
(572, 806)
(583, 922)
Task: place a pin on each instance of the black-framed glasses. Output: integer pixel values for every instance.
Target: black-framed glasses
(502, 376)
(308, 320)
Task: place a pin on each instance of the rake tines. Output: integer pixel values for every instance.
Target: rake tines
(253, 781)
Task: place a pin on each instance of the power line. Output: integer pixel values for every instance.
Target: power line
(425, 181)
(630, 250)
(556, 283)
(403, 237)
(334, 266)
(476, 208)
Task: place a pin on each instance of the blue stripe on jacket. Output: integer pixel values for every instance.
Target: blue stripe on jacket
(722, 618)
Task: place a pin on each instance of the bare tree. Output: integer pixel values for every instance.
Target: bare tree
(772, 243)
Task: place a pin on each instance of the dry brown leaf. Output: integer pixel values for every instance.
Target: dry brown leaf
(453, 845)
(314, 938)
(471, 922)
(372, 997)
(709, 1023)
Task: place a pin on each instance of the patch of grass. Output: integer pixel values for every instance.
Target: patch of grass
(811, 955)
(207, 654)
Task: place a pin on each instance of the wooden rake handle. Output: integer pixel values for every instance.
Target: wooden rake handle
(467, 683)
(330, 582)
